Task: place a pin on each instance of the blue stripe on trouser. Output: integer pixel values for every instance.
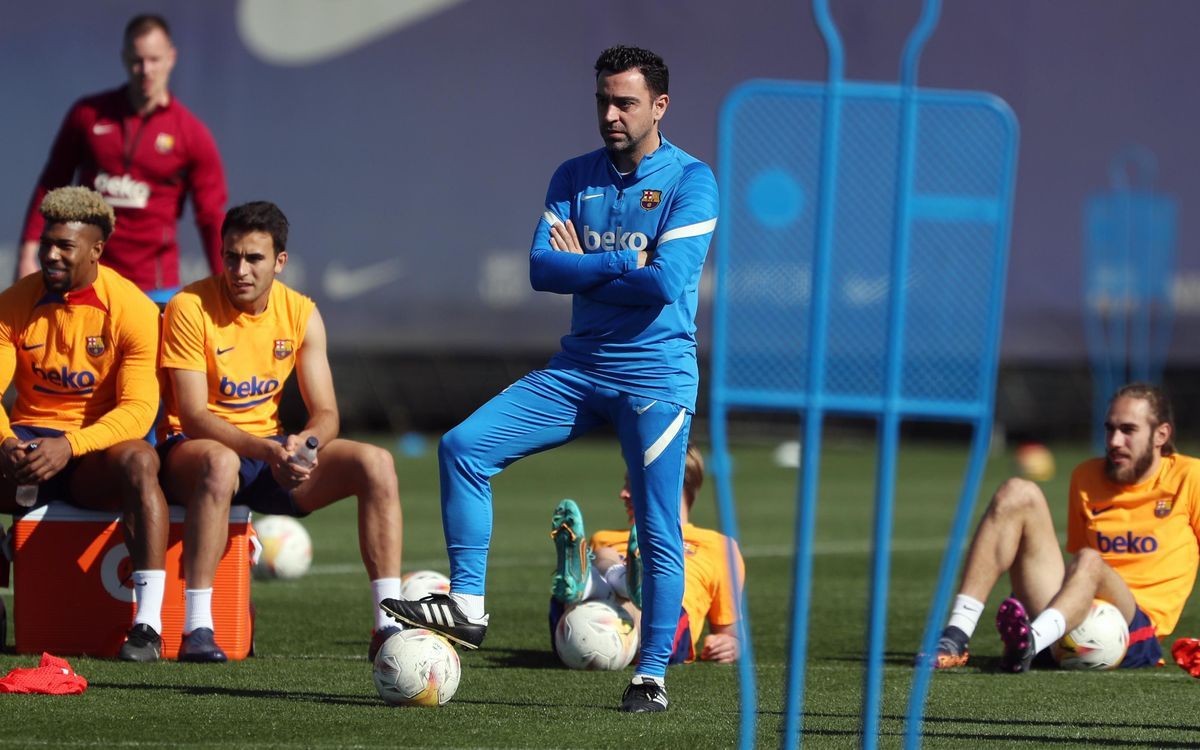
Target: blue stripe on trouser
(545, 409)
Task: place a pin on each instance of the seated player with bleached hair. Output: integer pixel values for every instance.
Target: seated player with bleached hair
(1133, 526)
(80, 342)
(230, 342)
(610, 565)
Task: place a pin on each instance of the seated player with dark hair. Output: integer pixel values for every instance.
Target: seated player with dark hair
(79, 342)
(1133, 522)
(610, 565)
(230, 342)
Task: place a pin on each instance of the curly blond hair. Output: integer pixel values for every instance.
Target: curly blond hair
(78, 204)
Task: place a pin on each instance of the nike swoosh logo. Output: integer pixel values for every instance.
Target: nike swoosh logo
(221, 351)
(344, 283)
(642, 410)
(305, 32)
(27, 347)
(593, 195)
(1098, 511)
(101, 129)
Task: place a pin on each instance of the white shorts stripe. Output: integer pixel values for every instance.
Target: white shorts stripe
(691, 230)
(551, 219)
(660, 445)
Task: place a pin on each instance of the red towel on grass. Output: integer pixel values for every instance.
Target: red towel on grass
(1187, 655)
(53, 676)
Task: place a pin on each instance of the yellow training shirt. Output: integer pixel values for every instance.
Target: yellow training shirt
(1146, 532)
(708, 588)
(82, 362)
(247, 358)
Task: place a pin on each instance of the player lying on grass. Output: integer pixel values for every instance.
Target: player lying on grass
(604, 567)
(1133, 523)
(230, 342)
(79, 342)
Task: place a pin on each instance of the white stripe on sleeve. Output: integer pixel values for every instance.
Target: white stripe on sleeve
(691, 230)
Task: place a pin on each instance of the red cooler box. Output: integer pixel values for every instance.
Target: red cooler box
(72, 592)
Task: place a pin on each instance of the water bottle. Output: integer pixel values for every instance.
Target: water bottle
(27, 493)
(306, 454)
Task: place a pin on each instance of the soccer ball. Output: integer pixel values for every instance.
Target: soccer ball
(1035, 462)
(416, 668)
(421, 583)
(596, 635)
(286, 548)
(1098, 643)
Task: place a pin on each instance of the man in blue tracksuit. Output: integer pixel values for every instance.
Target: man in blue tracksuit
(625, 231)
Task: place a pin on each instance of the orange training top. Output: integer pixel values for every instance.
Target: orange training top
(708, 589)
(1146, 532)
(247, 358)
(82, 362)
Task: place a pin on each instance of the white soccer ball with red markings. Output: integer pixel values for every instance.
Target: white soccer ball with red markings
(1099, 642)
(416, 668)
(286, 548)
(421, 583)
(596, 635)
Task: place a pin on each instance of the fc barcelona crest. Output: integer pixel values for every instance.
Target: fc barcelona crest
(1162, 508)
(283, 348)
(651, 199)
(164, 143)
(95, 345)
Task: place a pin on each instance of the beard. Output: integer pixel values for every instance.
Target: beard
(1132, 472)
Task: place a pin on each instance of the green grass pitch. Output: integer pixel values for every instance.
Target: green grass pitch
(310, 685)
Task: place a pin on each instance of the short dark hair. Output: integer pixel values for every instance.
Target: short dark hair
(693, 474)
(144, 24)
(621, 58)
(1160, 408)
(257, 216)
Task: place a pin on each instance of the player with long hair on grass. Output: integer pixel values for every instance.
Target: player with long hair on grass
(230, 342)
(624, 231)
(609, 565)
(1133, 523)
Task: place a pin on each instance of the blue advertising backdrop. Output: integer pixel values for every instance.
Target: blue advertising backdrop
(411, 142)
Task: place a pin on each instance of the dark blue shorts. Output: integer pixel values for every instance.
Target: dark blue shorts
(1144, 649)
(57, 487)
(257, 487)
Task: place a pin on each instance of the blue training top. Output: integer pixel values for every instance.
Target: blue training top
(632, 329)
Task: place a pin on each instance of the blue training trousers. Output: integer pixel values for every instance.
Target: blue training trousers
(543, 410)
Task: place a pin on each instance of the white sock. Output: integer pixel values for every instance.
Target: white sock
(597, 586)
(148, 587)
(384, 588)
(965, 614)
(470, 604)
(1047, 628)
(198, 606)
(649, 678)
(615, 578)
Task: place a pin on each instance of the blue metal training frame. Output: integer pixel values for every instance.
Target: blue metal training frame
(860, 261)
(1128, 267)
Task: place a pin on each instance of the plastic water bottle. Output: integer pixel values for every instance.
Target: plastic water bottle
(27, 493)
(306, 454)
